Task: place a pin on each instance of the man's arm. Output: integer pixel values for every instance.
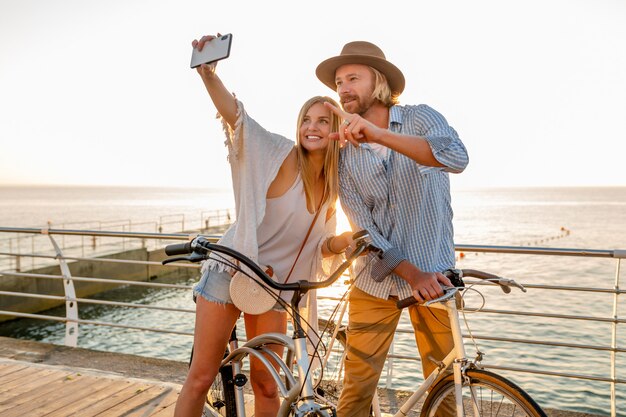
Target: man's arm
(415, 147)
(439, 146)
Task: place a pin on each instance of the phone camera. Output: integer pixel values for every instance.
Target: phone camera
(224, 37)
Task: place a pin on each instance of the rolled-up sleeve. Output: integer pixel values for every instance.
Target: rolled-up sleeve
(443, 139)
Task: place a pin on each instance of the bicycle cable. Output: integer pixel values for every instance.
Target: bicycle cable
(316, 346)
(479, 354)
(293, 313)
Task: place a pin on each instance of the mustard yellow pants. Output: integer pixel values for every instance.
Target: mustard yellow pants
(371, 326)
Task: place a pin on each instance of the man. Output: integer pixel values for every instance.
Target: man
(394, 183)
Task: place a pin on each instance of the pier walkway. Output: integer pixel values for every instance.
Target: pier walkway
(42, 379)
(30, 389)
(38, 379)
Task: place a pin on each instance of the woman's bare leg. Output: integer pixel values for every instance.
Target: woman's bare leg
(266, 400)
(214, 323)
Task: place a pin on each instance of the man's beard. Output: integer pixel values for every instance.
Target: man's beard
(362, 106)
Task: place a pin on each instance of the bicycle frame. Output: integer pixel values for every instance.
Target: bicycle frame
(456, 372)
(289, 389)
(456, 358)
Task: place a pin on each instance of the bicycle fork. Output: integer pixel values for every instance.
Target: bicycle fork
(304, 370)
(456, 358)
(301, 396)
(459, 365)
(240, 403)
(460, 361)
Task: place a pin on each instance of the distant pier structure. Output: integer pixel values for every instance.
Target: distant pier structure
(95, 255)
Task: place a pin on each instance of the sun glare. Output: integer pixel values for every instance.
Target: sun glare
(343, 225)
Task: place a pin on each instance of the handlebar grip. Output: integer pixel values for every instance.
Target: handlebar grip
(178, 249)
(359, 234)
(406, 302)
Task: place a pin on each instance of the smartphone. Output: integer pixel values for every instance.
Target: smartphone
(216, 49)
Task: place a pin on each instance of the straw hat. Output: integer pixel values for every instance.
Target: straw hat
(361, 52)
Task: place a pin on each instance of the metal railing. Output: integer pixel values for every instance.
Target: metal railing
(72, 301)
(91, 245)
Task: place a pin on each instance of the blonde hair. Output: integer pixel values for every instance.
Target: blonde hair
(331, 160)
(382, 91)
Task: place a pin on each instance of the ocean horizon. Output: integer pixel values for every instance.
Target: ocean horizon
(493, 215)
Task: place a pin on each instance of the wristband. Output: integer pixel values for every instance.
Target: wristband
(330, 249)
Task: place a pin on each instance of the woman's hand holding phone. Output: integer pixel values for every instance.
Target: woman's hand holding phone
(210, 49)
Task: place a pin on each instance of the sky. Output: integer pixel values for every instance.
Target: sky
(101, 93)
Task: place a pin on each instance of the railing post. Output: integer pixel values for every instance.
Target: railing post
(71, 306)
(614, 341)
(11, 250)
(130, 229)
(18, 259)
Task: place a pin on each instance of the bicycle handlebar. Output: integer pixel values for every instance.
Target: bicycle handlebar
(199, 249)
(456, 275)
(178, 249)
(448, 292)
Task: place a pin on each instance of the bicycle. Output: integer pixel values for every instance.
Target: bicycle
(474, 391)
(295, 387)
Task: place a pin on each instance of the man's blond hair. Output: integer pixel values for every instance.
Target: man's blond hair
(382, 91)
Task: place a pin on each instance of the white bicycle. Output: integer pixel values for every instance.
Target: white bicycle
(475, 392)
(296, 387)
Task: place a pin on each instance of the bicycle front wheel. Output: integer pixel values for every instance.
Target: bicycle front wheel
(484, 394)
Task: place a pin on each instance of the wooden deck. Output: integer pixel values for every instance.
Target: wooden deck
(31, 389)
(41, 379)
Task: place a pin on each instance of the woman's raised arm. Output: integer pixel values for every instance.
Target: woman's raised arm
(223, 100)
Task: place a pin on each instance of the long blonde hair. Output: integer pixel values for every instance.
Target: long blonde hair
(331, 160)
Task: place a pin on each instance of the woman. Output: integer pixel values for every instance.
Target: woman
(278, 188)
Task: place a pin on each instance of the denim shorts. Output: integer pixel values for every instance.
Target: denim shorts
(214, 286)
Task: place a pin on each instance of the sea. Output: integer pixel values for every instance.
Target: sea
(564, 217)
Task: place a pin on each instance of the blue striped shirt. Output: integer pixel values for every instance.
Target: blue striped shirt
(405, 206)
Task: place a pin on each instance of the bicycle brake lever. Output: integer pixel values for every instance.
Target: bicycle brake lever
(194, 257)
(508, 283)
(448, 293)
(170, 260)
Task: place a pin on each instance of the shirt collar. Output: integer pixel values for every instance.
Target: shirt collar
(395, 115)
